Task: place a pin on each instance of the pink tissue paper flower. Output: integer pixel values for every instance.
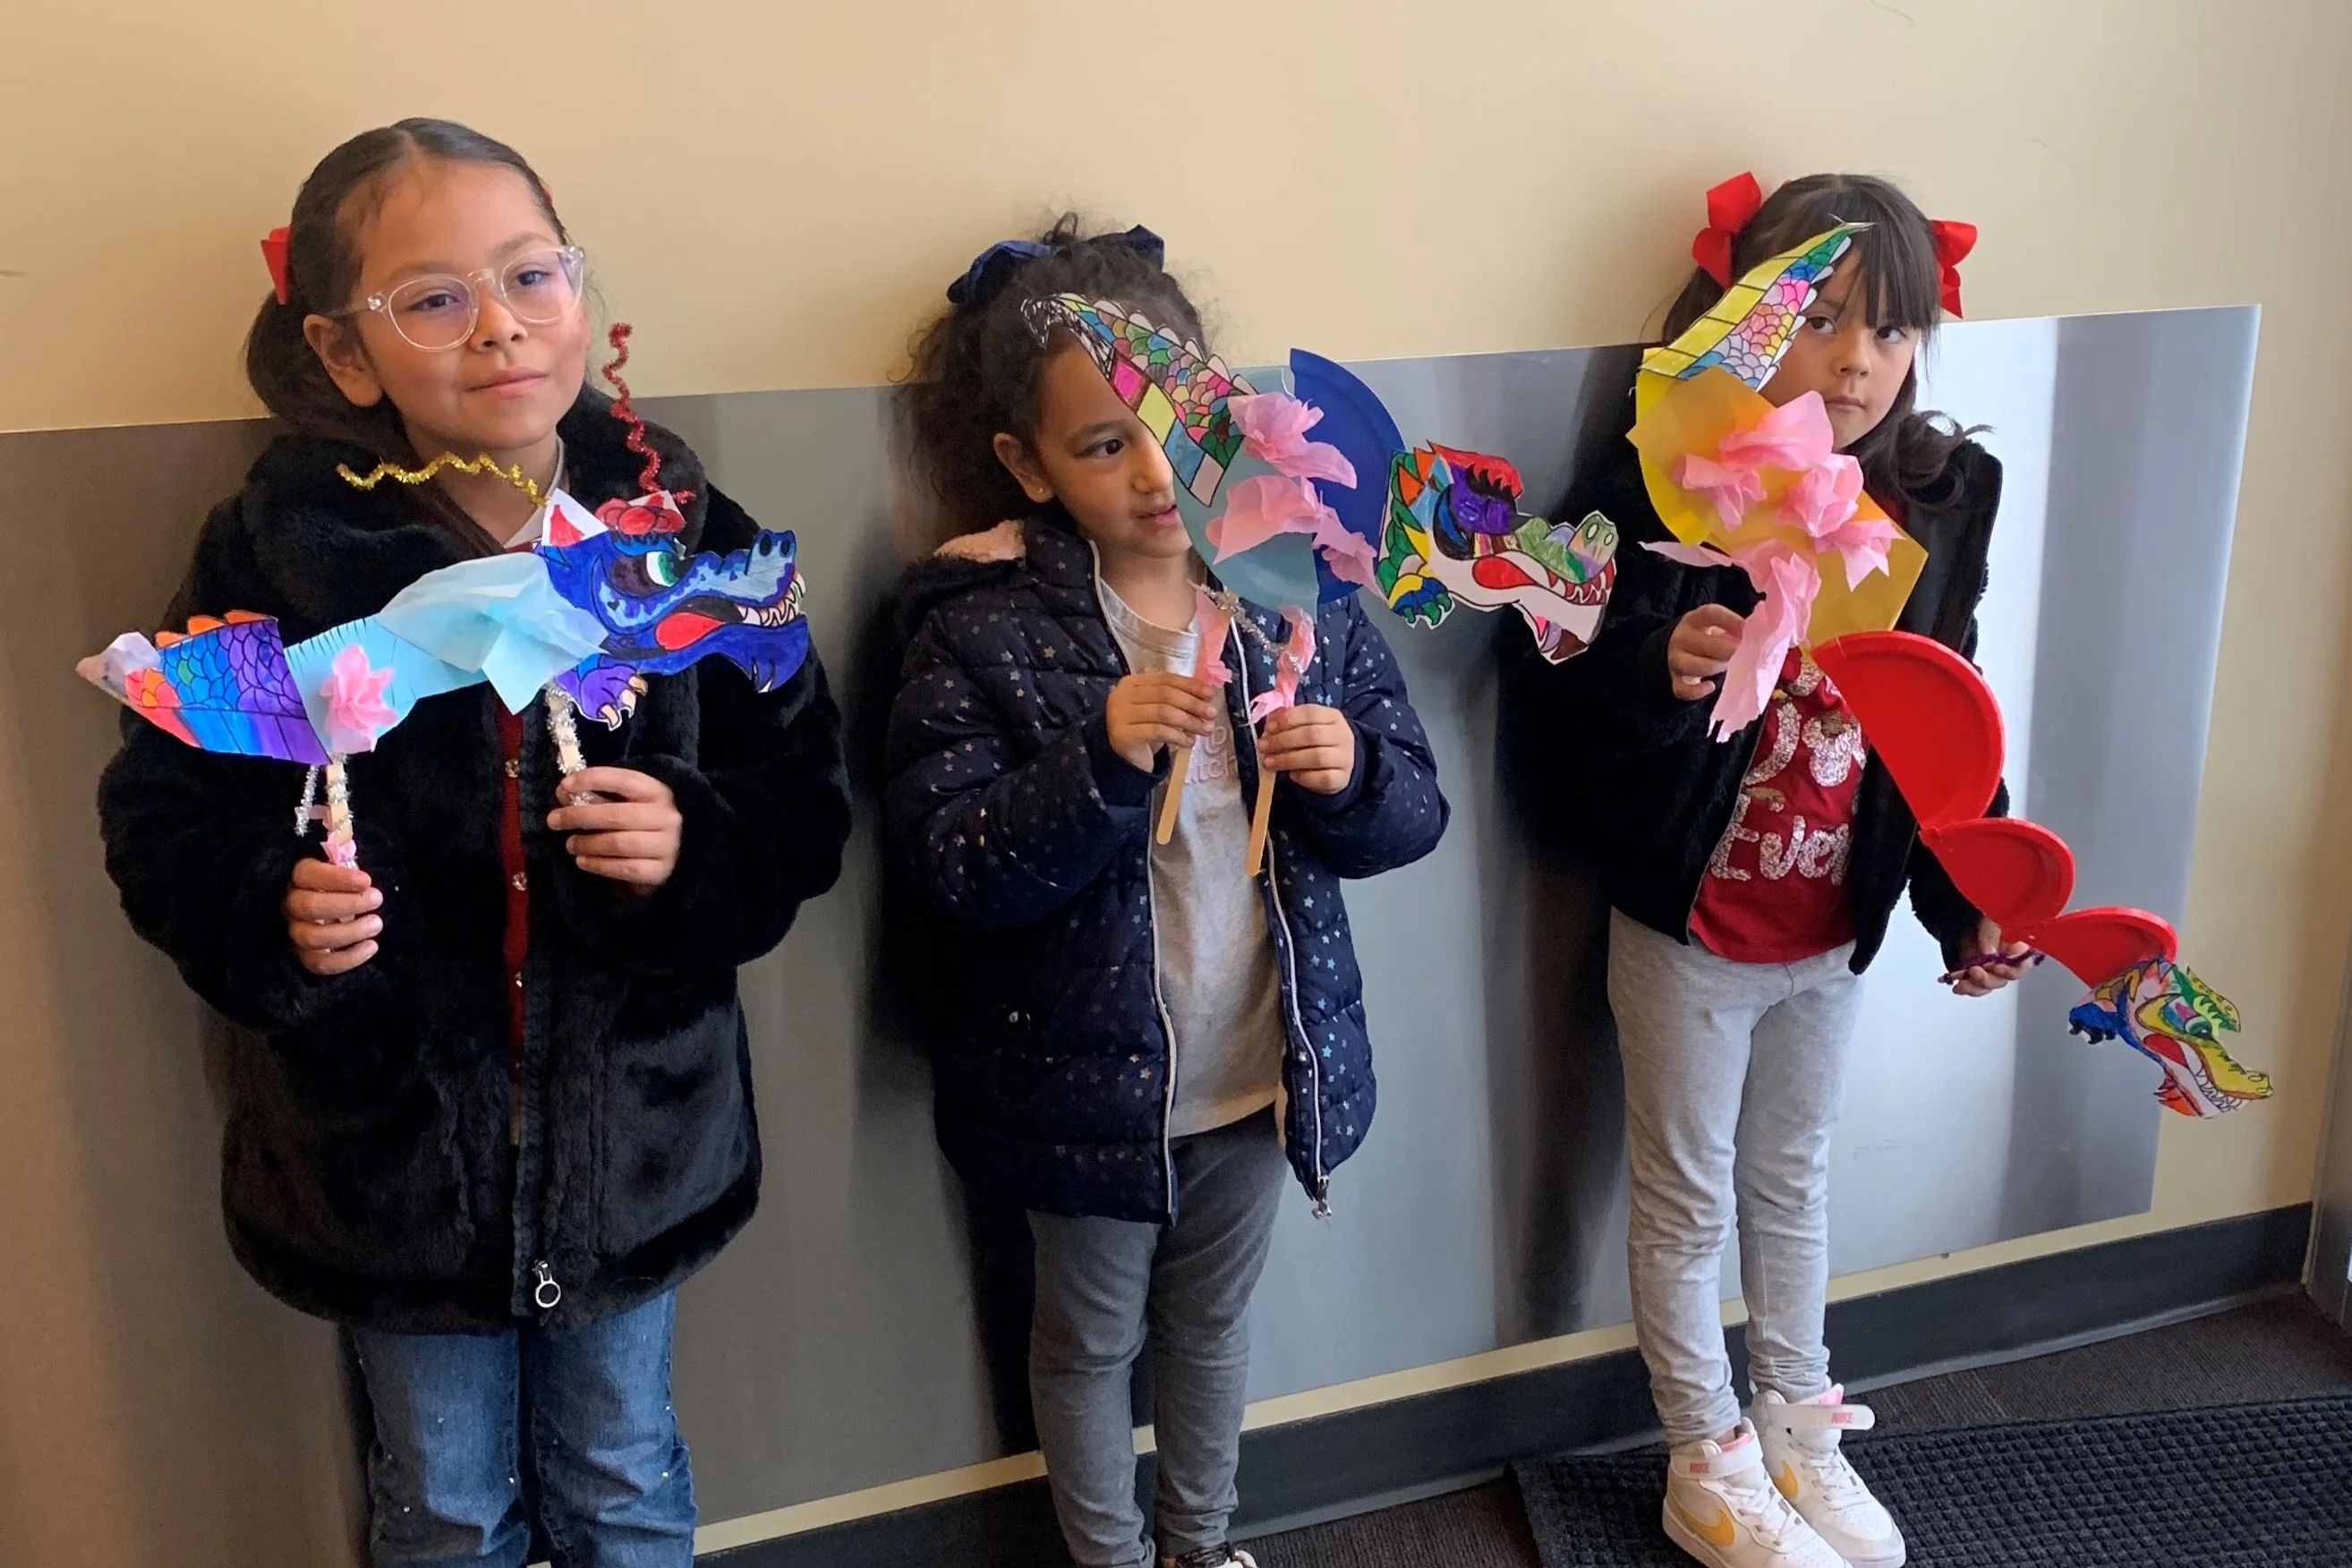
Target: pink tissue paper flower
(1274, 430)
(1264, 507)
(356, 711)
(1795, 437)
(1258, 509)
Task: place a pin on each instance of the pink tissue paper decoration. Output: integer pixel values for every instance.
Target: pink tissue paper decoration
(1824, 502)
(1256, 509)
(356, 711)
(1787, 582)
(1297, 653)
(1274, 430)
(1731, 488)
(1268, 505)
(1795, 437)
(1212, 625)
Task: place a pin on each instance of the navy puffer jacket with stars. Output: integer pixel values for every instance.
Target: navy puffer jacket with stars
(1030, 840)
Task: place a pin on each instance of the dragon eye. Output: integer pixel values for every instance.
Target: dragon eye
(661, 568)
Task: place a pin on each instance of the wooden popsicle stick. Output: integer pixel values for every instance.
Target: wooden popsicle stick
(1172, 802)
(1261, 817)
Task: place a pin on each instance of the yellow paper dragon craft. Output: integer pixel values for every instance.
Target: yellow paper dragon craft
(1741, 483)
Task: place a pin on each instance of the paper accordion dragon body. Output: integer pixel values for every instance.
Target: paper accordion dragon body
(596, 603)
(1741, 483)
(1298, 523)
(1931, 721)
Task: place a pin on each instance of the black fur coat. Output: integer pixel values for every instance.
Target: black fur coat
(378, 1168)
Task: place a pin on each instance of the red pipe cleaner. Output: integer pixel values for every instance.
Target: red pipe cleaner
(626, 413)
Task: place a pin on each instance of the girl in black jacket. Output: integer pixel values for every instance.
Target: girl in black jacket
(490, 1098)
(1752, 881)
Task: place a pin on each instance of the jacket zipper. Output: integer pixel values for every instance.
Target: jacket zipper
(1322, 1185)
(1151, 913)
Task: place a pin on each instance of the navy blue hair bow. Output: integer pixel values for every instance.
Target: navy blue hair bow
(995, 268)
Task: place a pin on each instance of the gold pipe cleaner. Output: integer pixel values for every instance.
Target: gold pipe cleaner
(512, 474)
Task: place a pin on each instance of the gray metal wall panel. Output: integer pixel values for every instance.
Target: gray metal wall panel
(835, 1346)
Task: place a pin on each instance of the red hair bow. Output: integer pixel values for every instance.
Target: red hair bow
(273, 251)
(1953, 243)
(1729, 206)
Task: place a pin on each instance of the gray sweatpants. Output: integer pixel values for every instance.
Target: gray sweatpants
(1733, 1074)
(1103, 1284)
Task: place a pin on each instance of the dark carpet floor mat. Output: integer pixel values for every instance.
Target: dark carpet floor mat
(2239, 1486)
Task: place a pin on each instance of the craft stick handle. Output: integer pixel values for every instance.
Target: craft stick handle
(1261, 816)
(563, 729)
(1172, 802)
(342, 850)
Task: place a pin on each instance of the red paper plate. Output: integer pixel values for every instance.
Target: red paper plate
(1927, 714)
(2099, 945)
(2017, 872)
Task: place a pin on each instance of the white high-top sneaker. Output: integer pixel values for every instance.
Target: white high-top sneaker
(1723, 1510)
(1801, 1449)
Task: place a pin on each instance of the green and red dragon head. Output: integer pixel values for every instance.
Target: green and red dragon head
(2176, 1020)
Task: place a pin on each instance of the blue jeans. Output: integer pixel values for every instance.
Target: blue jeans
(444, 1473)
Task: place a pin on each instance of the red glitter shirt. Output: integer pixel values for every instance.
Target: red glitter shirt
(1774, 891)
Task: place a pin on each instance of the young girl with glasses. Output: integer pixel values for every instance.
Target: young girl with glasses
(490, 1101)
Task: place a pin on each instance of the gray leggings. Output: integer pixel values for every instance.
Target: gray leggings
(1103, 1284)
(1733, 1074)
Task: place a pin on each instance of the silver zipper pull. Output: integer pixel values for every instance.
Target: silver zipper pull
(544, 1291)
(1322, 1198)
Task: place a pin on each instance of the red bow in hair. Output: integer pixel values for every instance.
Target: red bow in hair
(1729, 206)
(273, 251)
(1953, 243)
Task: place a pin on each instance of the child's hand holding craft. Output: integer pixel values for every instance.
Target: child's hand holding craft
(331, 916)
(1701, 650)
(623, 825)
(1148, 711)
(1313, 745)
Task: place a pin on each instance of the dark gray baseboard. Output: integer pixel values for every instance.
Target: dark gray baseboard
(1333, 1465)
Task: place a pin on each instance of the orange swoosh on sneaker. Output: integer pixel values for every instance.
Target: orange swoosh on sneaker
(1787, 1480)
(1722, 1533)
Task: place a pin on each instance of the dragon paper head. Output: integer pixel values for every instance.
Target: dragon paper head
(2176, 1020)
(1455, 534)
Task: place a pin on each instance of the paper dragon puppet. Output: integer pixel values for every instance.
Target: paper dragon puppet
(1931, 720)
(1741, 483)
(1287, 522)
(595, 604)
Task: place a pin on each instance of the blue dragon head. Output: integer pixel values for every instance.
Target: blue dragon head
(663, 610)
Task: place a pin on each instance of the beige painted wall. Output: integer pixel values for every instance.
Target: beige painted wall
(774, 192)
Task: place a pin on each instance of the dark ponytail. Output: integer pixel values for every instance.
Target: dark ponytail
(978, 365)
(323, 268)
(1894, 260)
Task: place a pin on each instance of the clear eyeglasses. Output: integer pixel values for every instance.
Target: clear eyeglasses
(538, 289)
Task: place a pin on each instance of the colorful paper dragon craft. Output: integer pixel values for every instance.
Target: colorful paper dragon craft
(1741, 483)
(1931, 720)
(1270, 486)
(1441, 526)
(598, 603)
